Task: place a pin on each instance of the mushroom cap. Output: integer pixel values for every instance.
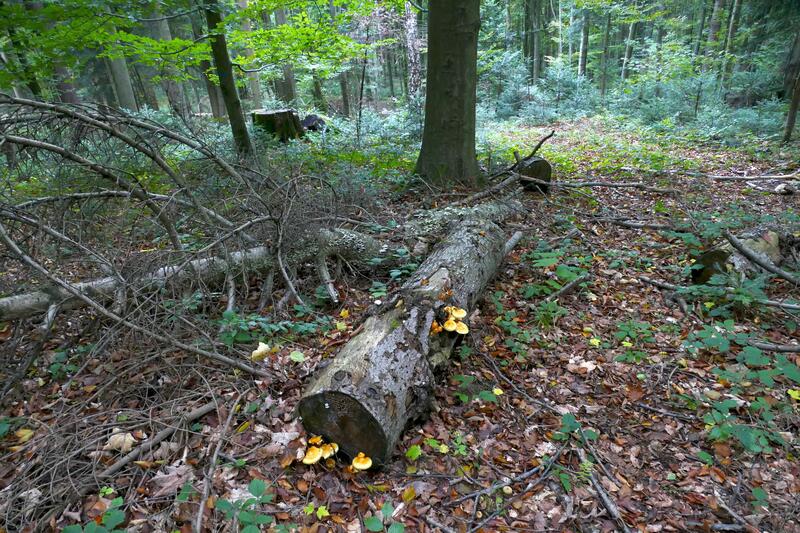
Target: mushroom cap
(335, 447)
(362, 462)
(315, 440)
(459, 313)
(313, 454)
(450, 325)
(327, 451)
(462, 328)
(261, 352)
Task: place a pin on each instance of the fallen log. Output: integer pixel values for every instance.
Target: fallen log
(383, 377)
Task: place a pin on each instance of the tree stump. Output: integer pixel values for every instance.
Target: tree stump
(537, 168)
(383, 377)
(283, 123)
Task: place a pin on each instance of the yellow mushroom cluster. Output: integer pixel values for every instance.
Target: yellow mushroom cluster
(455, 315)
(318, 449)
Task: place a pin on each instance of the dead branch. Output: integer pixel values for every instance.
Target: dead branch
(608, 503)
(761, 301)
(761, 260)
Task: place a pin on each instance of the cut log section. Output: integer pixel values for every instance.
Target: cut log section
(536, 168)
(383, 377)
(283, 123)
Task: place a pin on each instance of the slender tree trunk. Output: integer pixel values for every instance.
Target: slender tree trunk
(286, 87)
(319, 97)
(626, 59)
(604, 57)
(700, 28)
(584, 49)
(412, 50)
(253, 79)
(791, 117)
(538, 32)
(389, 59)
(213, 90)
(123, 88)
(65, 86)
(727, 60)
(792, 67)
(222, 62)
(146, 88)
(714, 26)
(173, 88)
(344, 86)
(448, 140)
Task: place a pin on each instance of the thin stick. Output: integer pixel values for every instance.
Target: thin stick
(568, 288)
(212, 466)
(608, 503)
(671, 287)
(762, 261)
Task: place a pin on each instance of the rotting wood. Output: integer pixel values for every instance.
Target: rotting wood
(283, 123)
(384, 376)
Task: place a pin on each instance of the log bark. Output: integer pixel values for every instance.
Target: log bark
(283, 123)
(383, 378)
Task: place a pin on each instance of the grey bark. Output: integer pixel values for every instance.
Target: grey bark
(253, 80)
(604, 57)
(791, 117)
(584, 48)
(792, 67)
(714, 26)
(174, 89)
(412, 50)
(383, 378)
(626, 59)
(285, 88)
(448, 139)
(121, 78)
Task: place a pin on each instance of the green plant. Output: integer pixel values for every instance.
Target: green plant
(109, 520)
(376, 522)
(547, 313)
(378, 290)
(245, 511)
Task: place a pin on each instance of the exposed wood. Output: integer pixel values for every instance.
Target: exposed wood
(383, 377)
(283, 123)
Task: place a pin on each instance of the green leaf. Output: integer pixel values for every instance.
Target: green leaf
(309, 509)
(113, 518)
(569, 423)
(297, 357)
(397, 527)
(373, 523)
(705, 457)
(565, 481)
(4, 428)
(414, 452)
(257, 487)
(322, 512)
(387, 510)
(752, 356)
(251, 529)
(185, 493)
(487, 396)
(75, 528)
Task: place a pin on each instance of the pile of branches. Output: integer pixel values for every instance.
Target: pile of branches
(131, 238)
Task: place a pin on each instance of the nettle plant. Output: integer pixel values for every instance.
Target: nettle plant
(753, 424)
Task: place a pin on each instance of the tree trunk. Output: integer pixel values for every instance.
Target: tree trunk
(283, 123)
(791, 117)
(626, 59)
(584, 49)
(714, 26)
(222, 62)
(253, 79)
(604, 57)
(213, 90)
(285, 88)
(123, 88)
(173, 88)
(64, 85)
(448, 140)
(319, 97)
(344, 86)
(727, 60)
(792, 67)
(700, 28)
(145, 86)
(412, 50)
(383, 378)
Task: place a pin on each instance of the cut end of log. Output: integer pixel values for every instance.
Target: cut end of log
(342, 419)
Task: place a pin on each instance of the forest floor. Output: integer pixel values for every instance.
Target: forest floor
(555, 415)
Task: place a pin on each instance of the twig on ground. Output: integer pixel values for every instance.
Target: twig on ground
(213, 464)
(672, 287)
(761, 260)
(785, 348)
(608, 503)
(512, 242)
(664, 412)
(736, 516)
(568, 288)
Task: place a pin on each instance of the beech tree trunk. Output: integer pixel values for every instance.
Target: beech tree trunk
(791, 117)
(584, 48)
(383, 378)
(448, 140)
(626, 59)
(230, 96)
(412, 50)
(174, 89)
(286, 88)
